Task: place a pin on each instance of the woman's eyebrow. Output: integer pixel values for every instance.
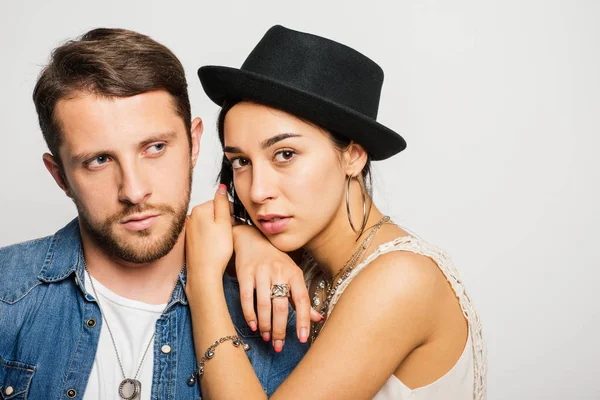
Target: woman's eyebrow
(232, 149)
(264, 144)
(277, 138)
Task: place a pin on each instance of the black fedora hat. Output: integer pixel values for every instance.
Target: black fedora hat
(314, 78)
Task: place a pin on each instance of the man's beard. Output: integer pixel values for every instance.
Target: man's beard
(139, 253)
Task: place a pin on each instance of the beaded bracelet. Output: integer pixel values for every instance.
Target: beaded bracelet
(210, 353)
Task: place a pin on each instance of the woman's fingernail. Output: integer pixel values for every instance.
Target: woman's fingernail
(266, 337)
(303, 335)
(222, 189)
(252, 325)
(278, 345)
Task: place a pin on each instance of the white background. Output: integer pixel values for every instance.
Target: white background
(499, 102)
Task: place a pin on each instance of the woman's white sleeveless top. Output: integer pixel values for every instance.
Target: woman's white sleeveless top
(467, 378)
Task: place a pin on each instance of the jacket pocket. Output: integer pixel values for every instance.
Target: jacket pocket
(15, 379)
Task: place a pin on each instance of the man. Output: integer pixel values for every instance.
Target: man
(98, 310)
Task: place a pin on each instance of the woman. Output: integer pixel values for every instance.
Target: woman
(298, 131)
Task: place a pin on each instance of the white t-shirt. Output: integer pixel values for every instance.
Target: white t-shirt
(132, 323)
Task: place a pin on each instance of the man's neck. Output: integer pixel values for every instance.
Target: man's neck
(151, 283)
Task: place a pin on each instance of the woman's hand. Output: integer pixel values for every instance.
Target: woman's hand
(259, 265)
(208, 238)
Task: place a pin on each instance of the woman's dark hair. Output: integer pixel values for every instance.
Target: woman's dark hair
(226, 174)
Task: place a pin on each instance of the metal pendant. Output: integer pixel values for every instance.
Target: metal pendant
(130, 389)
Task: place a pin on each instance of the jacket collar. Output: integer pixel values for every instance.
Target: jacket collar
(64, 256)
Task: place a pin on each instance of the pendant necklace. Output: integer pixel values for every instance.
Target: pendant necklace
(129, 388)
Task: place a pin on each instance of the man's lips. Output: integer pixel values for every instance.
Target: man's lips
(140, 222)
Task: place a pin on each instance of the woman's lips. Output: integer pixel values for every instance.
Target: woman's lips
(275, 225)
(140, 224)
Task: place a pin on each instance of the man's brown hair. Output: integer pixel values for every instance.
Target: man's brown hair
(109, 63)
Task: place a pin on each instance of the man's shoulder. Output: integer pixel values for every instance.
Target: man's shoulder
(27, 264)
(30, 256)
(30, 252)
(21, 264)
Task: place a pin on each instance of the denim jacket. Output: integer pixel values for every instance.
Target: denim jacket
(50, 325)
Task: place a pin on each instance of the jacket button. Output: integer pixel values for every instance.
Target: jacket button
(91, 323)
(166, 349)
(9, 390)
(71, 393)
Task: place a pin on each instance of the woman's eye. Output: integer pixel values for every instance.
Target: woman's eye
(239, 162)
(284, 155)
(156, 148)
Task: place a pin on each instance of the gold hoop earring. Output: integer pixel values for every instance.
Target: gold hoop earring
(364, 196)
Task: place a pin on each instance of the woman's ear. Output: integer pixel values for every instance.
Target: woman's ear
(355, 158)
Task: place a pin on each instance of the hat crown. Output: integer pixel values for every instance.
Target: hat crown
(319, 66)
(314, 78)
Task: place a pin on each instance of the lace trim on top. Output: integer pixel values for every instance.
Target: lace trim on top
(444, 263)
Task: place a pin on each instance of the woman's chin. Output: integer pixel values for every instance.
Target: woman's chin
(285, 242)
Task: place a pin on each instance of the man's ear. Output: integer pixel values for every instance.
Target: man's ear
(197, 129)
(355, 159)
(57, 173)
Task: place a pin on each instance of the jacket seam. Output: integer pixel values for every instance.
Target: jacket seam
(76, 348)
(21, 296)
(170, 358)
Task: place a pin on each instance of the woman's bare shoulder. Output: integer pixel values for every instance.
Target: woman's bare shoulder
(403, 279)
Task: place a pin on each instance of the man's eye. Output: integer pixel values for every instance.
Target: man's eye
(98, 161)
(239, 162)
(156, 148)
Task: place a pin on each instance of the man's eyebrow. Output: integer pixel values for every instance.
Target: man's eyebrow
(264, 144)
(83, 157)
(158, 137)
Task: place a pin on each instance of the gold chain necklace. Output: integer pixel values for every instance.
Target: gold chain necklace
(330, 288)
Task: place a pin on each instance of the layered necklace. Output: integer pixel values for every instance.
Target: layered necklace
(329, 288)
(129, 388)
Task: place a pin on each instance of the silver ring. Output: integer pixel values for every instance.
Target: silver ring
(280, 290)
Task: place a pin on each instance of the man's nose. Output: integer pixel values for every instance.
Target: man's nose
(135, 188)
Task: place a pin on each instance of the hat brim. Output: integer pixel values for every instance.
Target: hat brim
(225, 83)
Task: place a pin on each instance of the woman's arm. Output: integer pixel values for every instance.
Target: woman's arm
(230, 371)
(209, 247)
(387, 311)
